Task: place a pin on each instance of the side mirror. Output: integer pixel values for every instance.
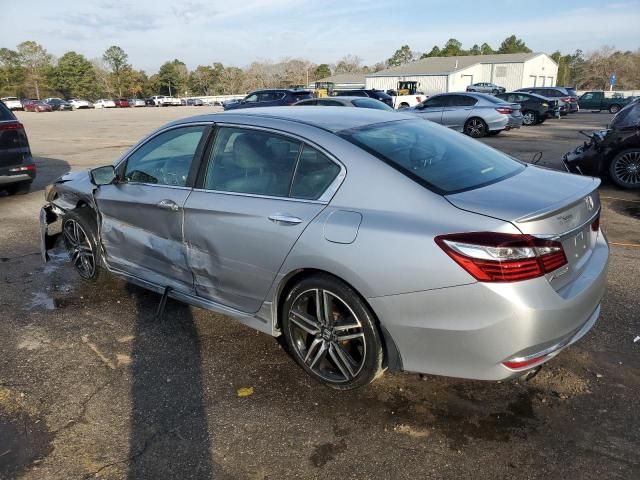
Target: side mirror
(103, 175)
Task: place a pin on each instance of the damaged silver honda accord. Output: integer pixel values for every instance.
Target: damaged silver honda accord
(368, 239)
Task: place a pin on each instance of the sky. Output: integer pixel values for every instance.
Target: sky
(200, 32)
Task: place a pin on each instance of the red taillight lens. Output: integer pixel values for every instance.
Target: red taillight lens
(11, 126)
(595, 225)
(418, 99)
(566, 99)
(503, 257)
(506, 111)
(524, 363)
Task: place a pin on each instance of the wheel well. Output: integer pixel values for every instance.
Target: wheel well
(392, 359)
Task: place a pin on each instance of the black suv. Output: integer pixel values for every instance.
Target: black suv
(377, 94)
(17, 169)
(276, 97)
(535, 108)
(568, 96)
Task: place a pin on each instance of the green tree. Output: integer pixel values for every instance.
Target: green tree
(116, 59)
(435, 52)
(322, 71)
(401, 56)
(74, 76)
(475, 50)
(37, 62)
(201, 80)
(513, 45)
(452, 48)
(173, 78)
(11, 73)
(485, 49)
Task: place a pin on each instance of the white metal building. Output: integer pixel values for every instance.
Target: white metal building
(344, 81)
(454, 74)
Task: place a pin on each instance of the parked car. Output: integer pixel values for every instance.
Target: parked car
(568, 98)
(17, 168)
(164, 101)
(269, 98)
(486, 87)
(535, 108)
(58, 104)
(104, 103)
(12, 103)
(367, 239)
(406, 94)
(371, 93)
(195, 102)
(599, 101)
(78, 103)
(344, 102)
(136, 102)
(614, 152)
(36, 106)
(122, 103)
(475, 114)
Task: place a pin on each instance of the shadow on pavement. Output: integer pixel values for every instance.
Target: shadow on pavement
(169, 432)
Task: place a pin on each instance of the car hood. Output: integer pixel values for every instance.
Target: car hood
(534, 200)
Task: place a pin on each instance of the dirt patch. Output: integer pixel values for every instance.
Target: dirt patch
(326, 452)
(627, 208)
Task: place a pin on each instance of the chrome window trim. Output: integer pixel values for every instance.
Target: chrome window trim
(125, 157)
(256, 195)
(326, 196)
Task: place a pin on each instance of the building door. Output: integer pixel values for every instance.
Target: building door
(532, 81)
(541, 82)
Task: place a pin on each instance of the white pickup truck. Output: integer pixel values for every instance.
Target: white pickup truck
(12, 103)
(165, 101)
(406, 95)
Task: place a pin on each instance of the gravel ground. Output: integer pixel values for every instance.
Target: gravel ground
(92, 386)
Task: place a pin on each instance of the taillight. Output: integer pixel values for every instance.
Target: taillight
(516, 364)
(506, 111)
(418, 99)
(503, 257)
(11, 126)
(566, 99)
(595, 225)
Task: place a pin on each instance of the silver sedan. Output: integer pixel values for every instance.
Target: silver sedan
(369, 240)
(475, 114)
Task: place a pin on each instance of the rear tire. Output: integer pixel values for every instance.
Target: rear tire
(624, 169)
(475, 127)
(615, 108)
(404, 105)
(79, 231)
(331, 333)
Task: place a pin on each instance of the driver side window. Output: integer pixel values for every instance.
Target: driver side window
(166, 158)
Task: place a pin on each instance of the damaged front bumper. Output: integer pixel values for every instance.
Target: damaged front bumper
(49, 215)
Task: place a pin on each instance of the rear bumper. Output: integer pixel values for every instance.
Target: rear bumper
(469, 330)
(8, 177)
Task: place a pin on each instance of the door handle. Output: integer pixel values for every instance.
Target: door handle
(283, 219)
(168, 205)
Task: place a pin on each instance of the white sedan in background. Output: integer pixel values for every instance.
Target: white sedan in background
(104, 103)
(12, 103)
(78, 103)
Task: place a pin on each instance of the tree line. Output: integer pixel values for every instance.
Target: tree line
(30, 71)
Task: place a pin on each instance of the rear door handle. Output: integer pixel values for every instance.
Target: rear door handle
(168, 205)
(283, 219)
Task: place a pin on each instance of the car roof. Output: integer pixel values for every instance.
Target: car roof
(325, 118)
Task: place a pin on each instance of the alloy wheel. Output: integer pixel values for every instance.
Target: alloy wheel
(529, 118)
(627, 168)
(327, 335)
(79, 248)
(475, 128)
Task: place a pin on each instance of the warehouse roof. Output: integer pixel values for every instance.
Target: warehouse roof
(345, 78)
(446, 65)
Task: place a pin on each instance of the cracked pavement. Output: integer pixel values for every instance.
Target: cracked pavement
(93, 386)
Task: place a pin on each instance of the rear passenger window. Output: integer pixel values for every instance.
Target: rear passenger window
(251, 161)
(314, 174)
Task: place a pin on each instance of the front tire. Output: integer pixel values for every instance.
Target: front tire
(529, 118)
(624, 169)
(615, 108)
(79, 230)
(475, 127)
(331, 333)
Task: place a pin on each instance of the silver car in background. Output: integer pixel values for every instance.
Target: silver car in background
(475, 114)
(369, 240)
(486, 87)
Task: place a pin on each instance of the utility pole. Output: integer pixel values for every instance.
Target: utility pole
(169, 87)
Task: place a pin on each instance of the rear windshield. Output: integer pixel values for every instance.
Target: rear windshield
(5, 113)
(572, 92)
(434, 156)
(492, 99)
(371, 103)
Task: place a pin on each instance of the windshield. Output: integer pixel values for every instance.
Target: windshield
(371, 103)
(434, 156)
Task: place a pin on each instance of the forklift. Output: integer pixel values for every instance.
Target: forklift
(324, 89)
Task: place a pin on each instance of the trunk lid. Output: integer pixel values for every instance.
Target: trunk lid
(547, 204)
(14, 146)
